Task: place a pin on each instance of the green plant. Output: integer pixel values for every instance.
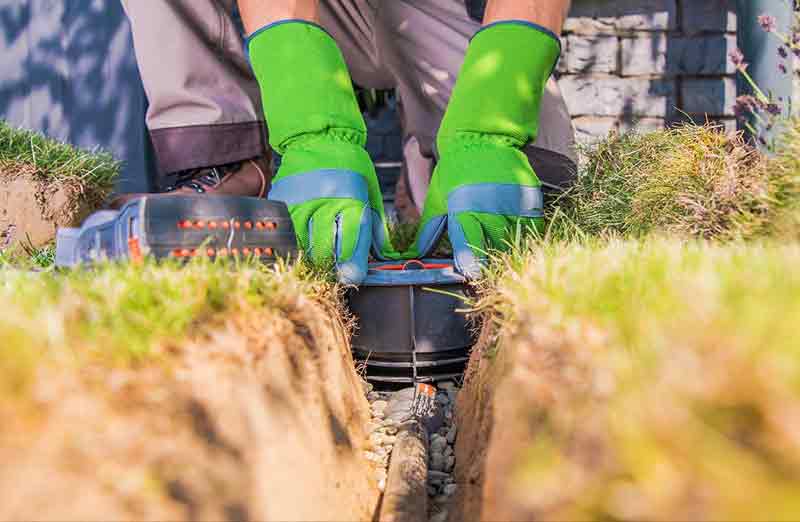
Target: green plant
(31, 152)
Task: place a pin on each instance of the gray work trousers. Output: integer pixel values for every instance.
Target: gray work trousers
(205, 103)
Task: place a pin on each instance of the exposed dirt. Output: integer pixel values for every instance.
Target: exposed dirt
(511, 375)
(32, 207)
(262, 420)
(475, 418)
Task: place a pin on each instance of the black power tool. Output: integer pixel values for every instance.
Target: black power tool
(181, 227)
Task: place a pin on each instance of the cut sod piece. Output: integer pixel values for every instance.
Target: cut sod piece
(45, 184)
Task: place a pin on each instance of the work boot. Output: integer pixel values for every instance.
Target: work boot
(243, 178)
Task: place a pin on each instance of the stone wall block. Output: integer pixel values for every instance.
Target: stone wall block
(659, 54)
(709, 16)
(620, 97)
(702, 55)
(711, 96)
(629, 63)
(589, 130)
(642, 124)
(594, 53)
(612, 16)
(645, 54)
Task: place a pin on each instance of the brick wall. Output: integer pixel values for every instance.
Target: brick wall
(644, 63)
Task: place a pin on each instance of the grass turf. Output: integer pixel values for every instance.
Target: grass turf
(120, 313)
(656, 329)
(663, 378)
(692, 181)
(33, 153)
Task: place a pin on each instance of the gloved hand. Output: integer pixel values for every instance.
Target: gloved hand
(483, 186)
(326, 177)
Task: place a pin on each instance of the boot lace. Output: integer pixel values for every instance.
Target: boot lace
(197, 179)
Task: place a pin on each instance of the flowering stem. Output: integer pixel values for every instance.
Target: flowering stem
(750, 129)
(756, 89)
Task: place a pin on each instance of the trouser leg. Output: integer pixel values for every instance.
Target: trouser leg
(423, 43)
(204, 104)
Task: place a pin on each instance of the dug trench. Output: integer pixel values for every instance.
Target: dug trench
(261, 415)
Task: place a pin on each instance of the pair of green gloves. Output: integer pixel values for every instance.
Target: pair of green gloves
(483, 185)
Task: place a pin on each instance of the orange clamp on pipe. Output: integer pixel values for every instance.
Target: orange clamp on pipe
(414, 262)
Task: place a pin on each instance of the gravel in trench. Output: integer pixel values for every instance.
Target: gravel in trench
(441, 455)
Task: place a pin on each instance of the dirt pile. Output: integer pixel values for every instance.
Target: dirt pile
(261, 418)
(45, 184)
(32, 207)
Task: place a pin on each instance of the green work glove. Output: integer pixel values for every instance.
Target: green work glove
(326, 176)
(483, 186)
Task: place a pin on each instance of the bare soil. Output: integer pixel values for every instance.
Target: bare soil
(262, 420)
(33, 207)
(508, 377)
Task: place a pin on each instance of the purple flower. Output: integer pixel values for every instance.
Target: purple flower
(774, 109)
(746, 105)
(737, 58)
(782, 52)
(768, 23)
(782, 68)
(796, 51)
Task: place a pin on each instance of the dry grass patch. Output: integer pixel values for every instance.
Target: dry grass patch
(643, 380)
(694, 181)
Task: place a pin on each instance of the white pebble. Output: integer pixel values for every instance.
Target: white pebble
(450, 489)
(451, 434)
(437, 462)
(438, 444)
(438, 475)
